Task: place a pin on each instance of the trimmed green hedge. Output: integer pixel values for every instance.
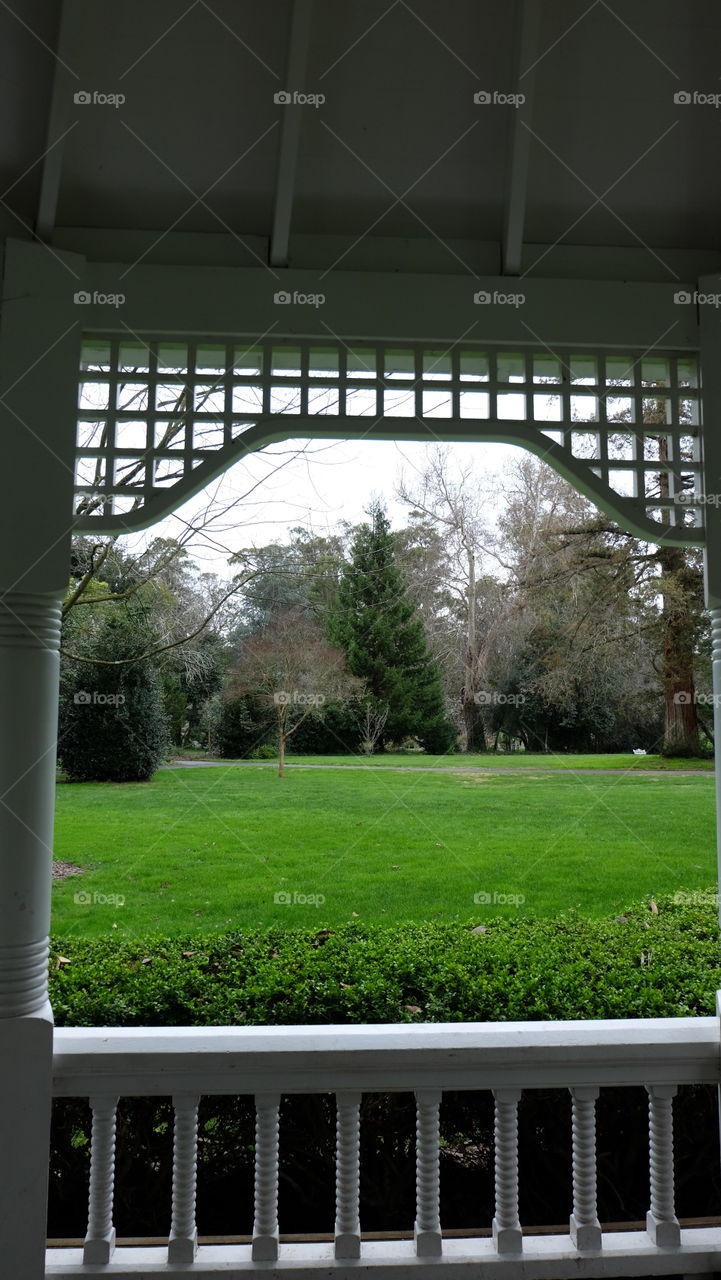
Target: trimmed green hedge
(642, 964)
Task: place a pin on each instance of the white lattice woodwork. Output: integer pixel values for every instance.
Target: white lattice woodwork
(158, 420)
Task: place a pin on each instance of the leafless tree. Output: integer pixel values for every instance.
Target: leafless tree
(294, 669)
(372, 723)
(454, 504)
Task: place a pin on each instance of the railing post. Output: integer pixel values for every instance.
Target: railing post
(100, 1238)
(183, 1242)
(507, 1232)
(585, 1228)
(347, 1176)
(427, 1233)
(661, 1221)
(265, 1224)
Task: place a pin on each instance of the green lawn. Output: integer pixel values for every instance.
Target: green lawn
(206, 849)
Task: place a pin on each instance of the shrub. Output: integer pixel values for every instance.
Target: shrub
(239, 726)
(642, 965)
(334, 731)
(112, 725)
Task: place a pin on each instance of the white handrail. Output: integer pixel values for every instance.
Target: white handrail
(507, 1058)
(160, 1061)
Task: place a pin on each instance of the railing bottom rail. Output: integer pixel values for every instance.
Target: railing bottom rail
(544, 1257)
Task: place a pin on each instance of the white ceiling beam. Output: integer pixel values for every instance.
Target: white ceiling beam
(528, 25)
(65, 82)
(390, 305)
(296, 68)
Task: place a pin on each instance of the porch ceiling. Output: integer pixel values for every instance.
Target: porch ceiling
(398, 166)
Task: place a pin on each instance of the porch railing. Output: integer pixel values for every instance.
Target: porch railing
(347, 1061)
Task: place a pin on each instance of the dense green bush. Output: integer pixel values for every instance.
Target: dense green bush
(334, 732)
(640, 965)
(643, 964)
(237, 726)
(112, 722)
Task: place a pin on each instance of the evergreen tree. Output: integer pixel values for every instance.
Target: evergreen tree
(112, 724)
(382, 634)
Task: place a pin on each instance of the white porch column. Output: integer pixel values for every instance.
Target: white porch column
(38, 363)
(710, 325)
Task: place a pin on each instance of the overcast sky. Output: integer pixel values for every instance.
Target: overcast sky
(329, 482)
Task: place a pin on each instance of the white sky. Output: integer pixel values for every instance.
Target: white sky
(330, 482)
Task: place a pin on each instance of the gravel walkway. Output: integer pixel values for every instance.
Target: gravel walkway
(410, 768)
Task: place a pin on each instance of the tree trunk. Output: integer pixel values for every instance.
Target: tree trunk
(471, 711)
(473, 722)
(281, 746)
(681, 737)
(679, 588)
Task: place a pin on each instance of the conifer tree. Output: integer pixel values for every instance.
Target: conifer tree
(384, 640)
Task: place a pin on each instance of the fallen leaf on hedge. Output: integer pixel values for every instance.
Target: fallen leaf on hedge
(653, 907)
(62, 960)
(275, 955)
(413, 1008)
(188, 954)
(481, 928)
(322, 936)
(346, 984)
(147, 960)
(395, 868)
(354, 913)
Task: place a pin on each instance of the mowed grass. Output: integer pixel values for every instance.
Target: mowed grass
(197, 850)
